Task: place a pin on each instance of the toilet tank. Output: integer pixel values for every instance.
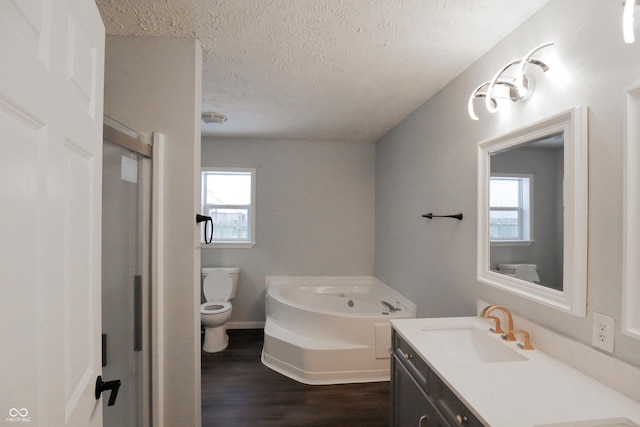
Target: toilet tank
(525, 272)
(511, 268)
(234, 272)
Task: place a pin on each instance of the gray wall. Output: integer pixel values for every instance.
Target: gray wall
(154, 84)
(429, 163)
(314, 213)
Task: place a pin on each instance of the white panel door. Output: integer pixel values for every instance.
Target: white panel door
(51, 96)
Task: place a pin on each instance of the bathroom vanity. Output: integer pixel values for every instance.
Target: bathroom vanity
(419, 396)
(455, 372)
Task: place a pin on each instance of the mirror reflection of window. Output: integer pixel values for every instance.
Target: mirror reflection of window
(510, 208)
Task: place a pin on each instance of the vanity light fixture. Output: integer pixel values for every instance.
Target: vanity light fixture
(627, 20)
(519, 87)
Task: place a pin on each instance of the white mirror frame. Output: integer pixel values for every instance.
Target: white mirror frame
(573, 298)
(631, 231)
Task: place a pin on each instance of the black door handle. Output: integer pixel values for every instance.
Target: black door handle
(101, 386)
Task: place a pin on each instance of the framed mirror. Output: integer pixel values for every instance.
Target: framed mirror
(532, 211)
(631, 231)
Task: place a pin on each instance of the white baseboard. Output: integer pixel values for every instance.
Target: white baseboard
(245, 325)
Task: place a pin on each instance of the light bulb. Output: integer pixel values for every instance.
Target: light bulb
(627, 21)
(519, 82)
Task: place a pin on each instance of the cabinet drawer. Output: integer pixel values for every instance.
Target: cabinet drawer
(452, 408)
(410, 405)
(412, 361)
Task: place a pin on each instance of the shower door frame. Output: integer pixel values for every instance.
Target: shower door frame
(146, 234)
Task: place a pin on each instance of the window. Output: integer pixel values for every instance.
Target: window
(228, 197)
(511, 210)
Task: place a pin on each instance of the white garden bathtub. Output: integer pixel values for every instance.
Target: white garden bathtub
(330, 330)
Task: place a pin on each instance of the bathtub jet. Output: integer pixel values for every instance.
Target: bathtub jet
(331, 330)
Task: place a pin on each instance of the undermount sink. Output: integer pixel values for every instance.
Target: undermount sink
(610, 422)
(469, 345)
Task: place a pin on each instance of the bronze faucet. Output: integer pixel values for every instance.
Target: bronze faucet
(496, 329)
(526, 341)
(508, 334)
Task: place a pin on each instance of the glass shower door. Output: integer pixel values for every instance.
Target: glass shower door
(125, 204)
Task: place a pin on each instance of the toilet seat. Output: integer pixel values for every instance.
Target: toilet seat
(215, 307)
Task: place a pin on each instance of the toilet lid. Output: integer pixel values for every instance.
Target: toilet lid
(217, 285)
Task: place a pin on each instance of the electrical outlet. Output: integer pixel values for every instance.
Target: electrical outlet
(604, 331)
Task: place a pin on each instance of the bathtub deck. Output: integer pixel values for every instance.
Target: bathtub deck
(316, 361)
(309, 343)
(239, 391)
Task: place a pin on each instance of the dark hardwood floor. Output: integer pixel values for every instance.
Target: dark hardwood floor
(238, 390)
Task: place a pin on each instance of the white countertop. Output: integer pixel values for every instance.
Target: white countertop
(538, 391)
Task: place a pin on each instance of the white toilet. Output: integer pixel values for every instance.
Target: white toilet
(219, 287)
(526, 272)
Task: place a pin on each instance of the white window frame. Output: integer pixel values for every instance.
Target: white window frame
(525, 210)
(251, 210)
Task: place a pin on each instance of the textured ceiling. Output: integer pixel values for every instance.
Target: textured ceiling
(344, 70)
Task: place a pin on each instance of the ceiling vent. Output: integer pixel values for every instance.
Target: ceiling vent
(215, 118)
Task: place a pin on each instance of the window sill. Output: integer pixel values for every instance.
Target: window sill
(512, 242)
(228, 245)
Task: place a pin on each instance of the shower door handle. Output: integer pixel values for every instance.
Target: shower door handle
(137, 313)
(101, 386)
